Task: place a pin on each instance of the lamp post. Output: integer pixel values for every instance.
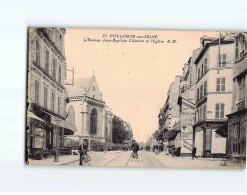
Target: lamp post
(57, 121)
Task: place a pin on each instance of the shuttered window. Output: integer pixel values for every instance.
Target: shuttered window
(222, 60)
(205, 65)
(201, 91)
(54, 64)
(36, 92)
(204, 112)
(45, 96)
(205, 88)
(52, 101)
(47, 61)
(37, 53)
(220, 84)
(222, 108)
(219, 110)
(59, 74)
(58, 105)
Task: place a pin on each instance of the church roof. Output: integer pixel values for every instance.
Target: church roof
(80, 85)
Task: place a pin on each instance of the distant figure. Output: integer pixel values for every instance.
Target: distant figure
(135, 147)
(156, 149)
(82, 150)
(194, 153)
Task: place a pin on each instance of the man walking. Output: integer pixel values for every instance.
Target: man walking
(194, 153)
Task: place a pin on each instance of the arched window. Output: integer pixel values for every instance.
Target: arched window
(71, 115)
(93, 122)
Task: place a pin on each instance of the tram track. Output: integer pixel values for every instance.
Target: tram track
(139, 158)
(113, 159)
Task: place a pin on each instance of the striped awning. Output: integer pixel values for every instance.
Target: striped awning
(62, 123)
(32, 115)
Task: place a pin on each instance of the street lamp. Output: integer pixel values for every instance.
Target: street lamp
(57, 122)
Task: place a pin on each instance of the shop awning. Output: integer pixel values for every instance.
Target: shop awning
(69, 126)
(32, 115)
(222, 130)
(171, 135)
(62, 123)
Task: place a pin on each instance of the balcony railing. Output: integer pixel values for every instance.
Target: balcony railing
(240, 105)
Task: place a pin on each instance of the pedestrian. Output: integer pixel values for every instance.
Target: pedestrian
(82, 150)
(156, 149)
(194, 153)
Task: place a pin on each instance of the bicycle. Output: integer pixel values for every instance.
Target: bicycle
(86, 159)
(134, 155)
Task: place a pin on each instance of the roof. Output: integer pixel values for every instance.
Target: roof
(79, 86)
(210, 44)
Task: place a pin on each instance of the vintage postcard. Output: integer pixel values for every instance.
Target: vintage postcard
(136, 98)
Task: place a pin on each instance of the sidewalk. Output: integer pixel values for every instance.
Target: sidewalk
(64, 159)
(187, 162)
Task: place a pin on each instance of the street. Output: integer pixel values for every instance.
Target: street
(121, 159)
(150, 160)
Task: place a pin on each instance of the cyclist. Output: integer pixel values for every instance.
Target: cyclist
(83, 151)
(135, 148)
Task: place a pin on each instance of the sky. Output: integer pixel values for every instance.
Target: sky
(134, 77)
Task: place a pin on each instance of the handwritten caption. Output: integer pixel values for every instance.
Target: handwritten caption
(129, 38)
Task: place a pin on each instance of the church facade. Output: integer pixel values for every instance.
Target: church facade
(92, 117)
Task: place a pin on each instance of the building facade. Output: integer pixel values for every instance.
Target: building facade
(236, 140)
(92, 118)
(169, 113)
(46, 95)
(186, 102)
(214, 94)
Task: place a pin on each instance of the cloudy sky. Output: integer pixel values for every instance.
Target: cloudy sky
(133, 76)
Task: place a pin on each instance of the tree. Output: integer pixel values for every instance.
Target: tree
(119, 134)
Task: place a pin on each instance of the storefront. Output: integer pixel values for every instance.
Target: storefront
(45, 132)
(236, 137)
(207, 142)
(172, 140)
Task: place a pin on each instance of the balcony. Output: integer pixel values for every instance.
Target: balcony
(240, 105)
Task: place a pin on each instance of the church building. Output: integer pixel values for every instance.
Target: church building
(92, 117)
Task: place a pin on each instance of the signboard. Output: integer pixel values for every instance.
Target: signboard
(187, 120)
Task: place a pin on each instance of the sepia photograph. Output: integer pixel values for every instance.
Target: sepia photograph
(136, 98)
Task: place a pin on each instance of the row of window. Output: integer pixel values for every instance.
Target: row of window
(241, 88)
(219, 112)
(55, 66)
(220, 87)
(55, 37)
(204, 67)
(45, 100)
(202, 91)
(201, 113)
